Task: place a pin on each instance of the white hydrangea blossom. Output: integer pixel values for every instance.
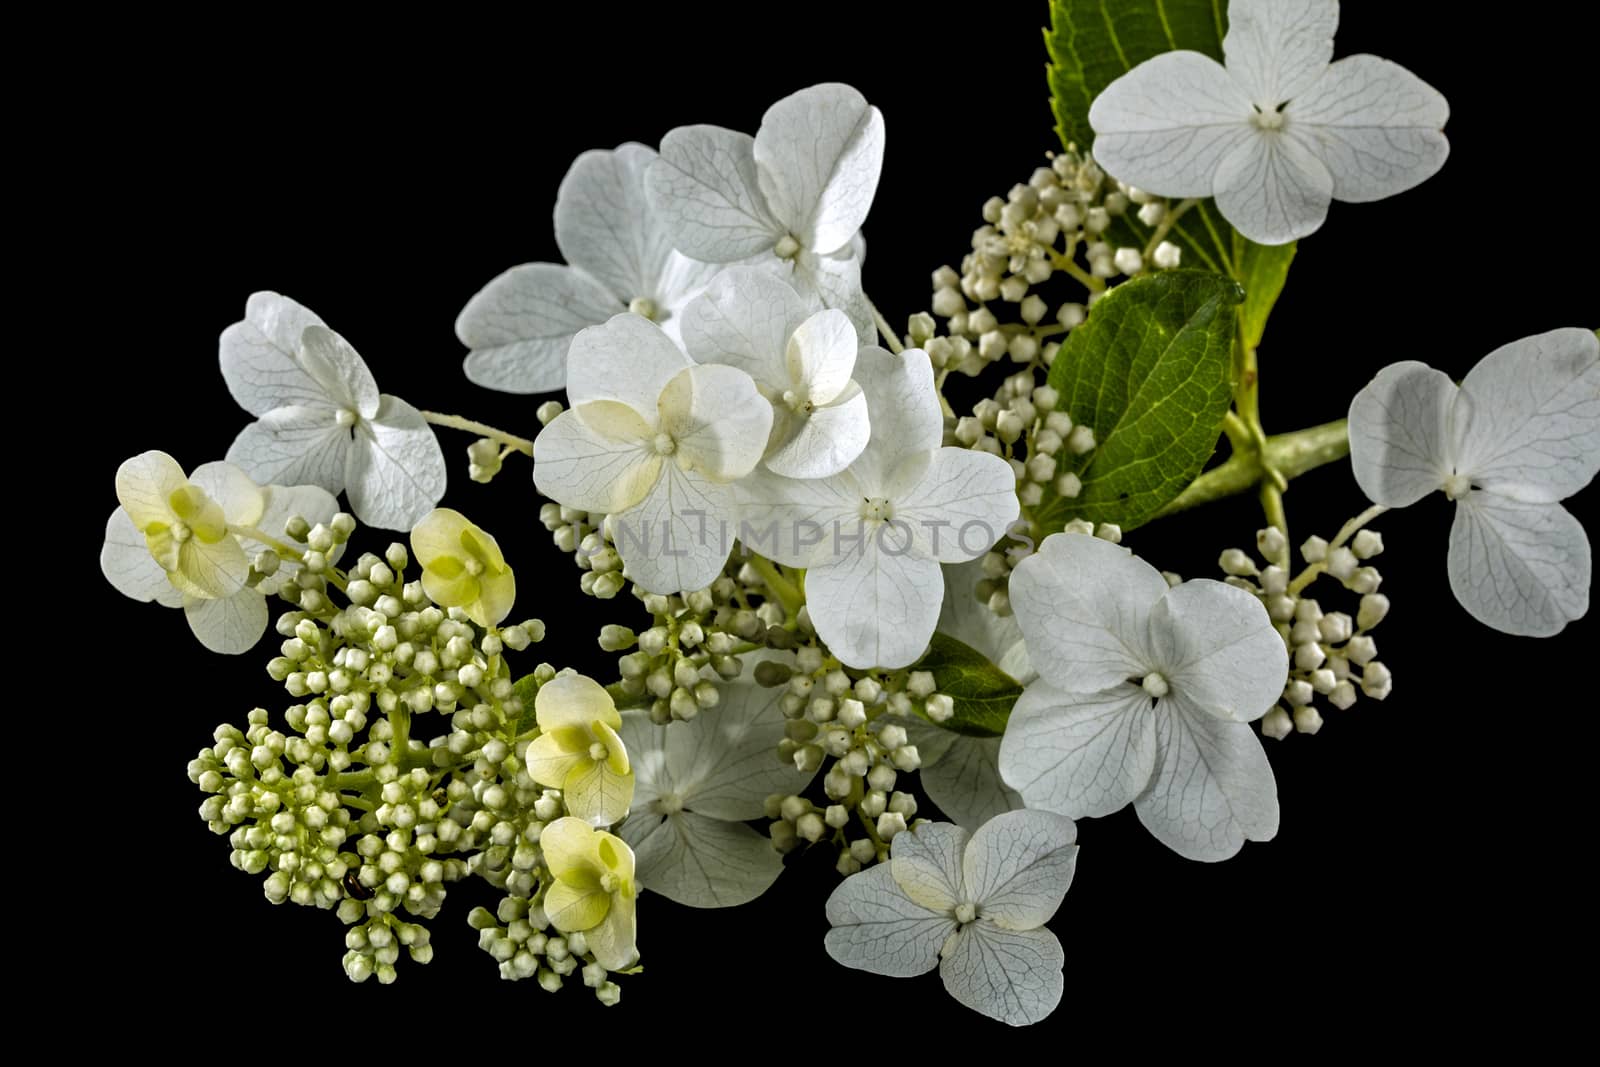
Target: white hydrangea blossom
(1146, 696)
(790, 199)
(224, 621)
(1280, 131)
(974, 905)
(321, 419)
(1520, 434)
(619, 258)
(656, 441)
(873, 536)
(801, 359)
(697, 784)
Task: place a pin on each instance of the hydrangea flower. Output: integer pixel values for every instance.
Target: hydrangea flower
(872, 537)
(1145, 697)
(975, 906)
(621, 259)
(698, 782)
(1520, 434)
(225, 622)
(578, 750)
(1278, 132)
(654, 440)
(321, 419)
(593, 892)
(462, 567)
(790, 199)
(801, 359)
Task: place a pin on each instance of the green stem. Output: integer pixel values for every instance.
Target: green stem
(780, 587)
(1290, 454)
(456, 422)
(1347, 531)
(884, 328)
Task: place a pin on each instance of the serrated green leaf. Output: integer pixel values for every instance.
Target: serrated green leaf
(1151, 373)
(982, 693)
(525, 689)
(1263, 270)
(1093, 43)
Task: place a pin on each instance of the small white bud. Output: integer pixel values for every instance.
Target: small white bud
(1168, 256)
(1307, 720)
(1236, 562)
(1069, 485)
(889, 824)
(1081, 439)
(1367, 543)
(1276, 724)
(1335, 627)
(940, 707)
(1341, 563)
(1152, 213)
(1315, 550)
(1128, 260)
(1343, 695)
(1374, 607)
(1376, 680)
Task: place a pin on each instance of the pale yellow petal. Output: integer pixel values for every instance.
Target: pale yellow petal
(210, 571)
(615, 856)
(597, 795)
(573, 700)
(496, 595)
(241, 500)
(144, 485)
(616, 752)
(438, 535)
(571, 909)
(571, 852)
(549, 761)
(614, 941)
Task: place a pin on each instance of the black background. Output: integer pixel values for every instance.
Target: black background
(1432, 845)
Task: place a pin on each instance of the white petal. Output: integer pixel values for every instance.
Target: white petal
(700, 861)
(1520, 568)
(522, 323)
(744, 319)
(1375, 125)
(1079, 756)
(1218, 648)
(604, 225)
(835, 282)
(903, 407)
(241, 500)
(1019, 866)
(1213, 788)
(926, 864)
(628, 359)
(1009, 975)
(824, 442)
(1400, 436)
(969, 620)
(126, 562)
(1083, 604)
(818, 155)
(1166, 125)
(681, 280)
(1278, 48)
(581, 460)
(705, 191)
(964, 782)
(396, 471)
(966, 501)
(339, 369)
(678, 537)
(228, 625)
(821, 354)
(876, 606)
(258, 355)
(877, 928)
(718, 419)
(1528, 420)
(294, 446)
(1273, 189)
(799, 523)
(311, 503)
(145, 484)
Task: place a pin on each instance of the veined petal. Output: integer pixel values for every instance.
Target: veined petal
(1167, 124)
(497, 594)
(258, 355)
(596, 794)
(613, 941)
(964, 782)
(1272, 189)
(145, 485)
(1219, 649)
(126, 562)
(705, 190)
(1213, 788)
(549, 762)
(310, 502)
(876, 604)
(821, 354)
(206, 571)
(1519, 568)
(903, 407)
(572, 909)
(241, 500)
(1084, 606)
(577, 463)
(294, 446)
(970, 621)
(965, 502)
(926, 864)
(1375, 126)
(823, 443)
(721, 764)
(604, 224)
(228, 625)
(745, 318)
(835, 281)
(718, 420)
(574, 700)
(1278, 48)
(1079, 756)
(1019, 866)
(570, 848)
(797, 522)
(700, 861)
(628, 359)
(395, 472)
(818, 156)
(341, 372)
(877, 928)
(1010, 975)
(1401, 446)
(1528, 420)
(522, 323)
(678, 537)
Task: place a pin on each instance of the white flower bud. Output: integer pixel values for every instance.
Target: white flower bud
(1323, 681)
(1307, 720)
(546, 413)
(1367, 543)
(1236, 562)
(1008, 426)
(921, 684)
(863, 850)
(1376, 680)
(940, 707)
(1374, 607)
(1309, 657)
(1276, 724)
(889, 824)
(1109, 531)
(1152, 212)
(1361, 650)
(1081, 439)
(1341, 563)
(1128, 260)
(1168, 256)
(1366, 580)
(1315, 550)
(1335, 627)
(1097, 220)
(1298, 692)
(1343, 695)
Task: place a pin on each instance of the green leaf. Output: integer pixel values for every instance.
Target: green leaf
(1092, 43)
(1263, 269)
(982, 693)
(526, 688)
(1151, 373)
